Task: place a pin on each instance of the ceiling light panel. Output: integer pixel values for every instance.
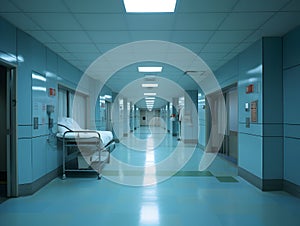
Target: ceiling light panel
(149, 69)
(149, 94)
(149, 6)
(150, 85)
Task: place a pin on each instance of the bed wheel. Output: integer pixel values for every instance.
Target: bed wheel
(63, 176)
(99, 177)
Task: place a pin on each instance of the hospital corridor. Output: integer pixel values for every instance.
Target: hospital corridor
(149, 112)
(216, 196)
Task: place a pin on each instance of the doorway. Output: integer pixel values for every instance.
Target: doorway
(229, 148)
(8, 171)
(108, 116)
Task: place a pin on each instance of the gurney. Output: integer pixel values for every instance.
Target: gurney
(89, 148)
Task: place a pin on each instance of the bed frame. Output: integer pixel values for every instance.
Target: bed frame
(91, 150)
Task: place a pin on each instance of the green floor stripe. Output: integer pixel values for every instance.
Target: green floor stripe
(227, 179)
(194, 174)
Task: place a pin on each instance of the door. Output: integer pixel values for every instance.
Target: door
(3, 132)
(108, 116)
(8, 153)
(230, 144)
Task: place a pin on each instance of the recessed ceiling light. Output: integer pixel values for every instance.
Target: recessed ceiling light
(149, 6)
(149, 85)
(150, 69)
(149, 94)
(150, 98)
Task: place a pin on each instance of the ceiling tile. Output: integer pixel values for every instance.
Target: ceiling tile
(103, 47)
(21, 21)
(259, 5)
(211, 56)
(198, 21)
(56, 47)
(205, 6)
(241, 47)
(102, 21)
(281, 23)
(109, 37)
(150, 21)
(53, 21)
(41, 36)
(8, 7)
(81, 48)
(194, 47)
(191, 36)
(245, 21)
(95, 6)
(150, 35)
(70, 36)
(68, 56)
(87, 56)
(231, 55)
(218, 47)
(41, 6)
(294, 5)
(230, 36)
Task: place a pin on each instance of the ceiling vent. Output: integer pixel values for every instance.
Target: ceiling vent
(150, 78)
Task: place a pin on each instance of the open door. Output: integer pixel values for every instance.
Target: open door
(229, 147)
(8, 153)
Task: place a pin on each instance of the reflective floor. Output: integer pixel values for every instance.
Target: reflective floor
(136, 190)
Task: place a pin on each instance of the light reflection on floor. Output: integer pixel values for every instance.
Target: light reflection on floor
(188, 198)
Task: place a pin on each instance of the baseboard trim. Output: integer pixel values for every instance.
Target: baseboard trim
(270, 184)
(251, 178)
(31, 188)
(190, 141)
(291, 188)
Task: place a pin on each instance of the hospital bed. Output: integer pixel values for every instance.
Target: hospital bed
(83, 150)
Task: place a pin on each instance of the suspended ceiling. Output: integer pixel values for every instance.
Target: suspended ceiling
(216, 30)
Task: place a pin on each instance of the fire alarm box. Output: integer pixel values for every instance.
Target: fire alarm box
(52, 92)
(250, 89)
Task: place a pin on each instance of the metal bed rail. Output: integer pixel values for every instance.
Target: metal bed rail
(89, 140)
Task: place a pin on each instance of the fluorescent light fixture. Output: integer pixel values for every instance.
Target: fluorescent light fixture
(11, 58)
(149, 85)
(39, 88)
(149, 6)
(107, 96)
(149, 69)
(149, 94)
(39, 77)
(149, 98)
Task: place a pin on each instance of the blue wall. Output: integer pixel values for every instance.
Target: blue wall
(245, 69)
(291, 81)
(36, 156)
(260, 144)
(269, 149)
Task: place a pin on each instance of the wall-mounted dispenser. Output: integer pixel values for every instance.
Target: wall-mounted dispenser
(50, 110)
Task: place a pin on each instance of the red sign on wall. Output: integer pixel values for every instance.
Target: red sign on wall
(250, 88)
(52, 92)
